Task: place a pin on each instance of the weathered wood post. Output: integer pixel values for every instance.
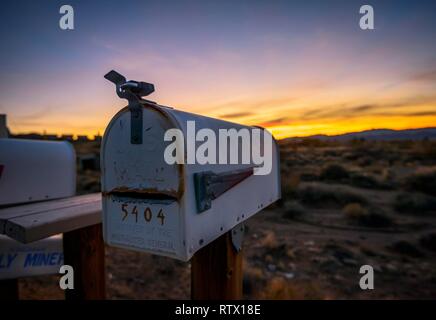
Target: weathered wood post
(216, 271)
(84, 251)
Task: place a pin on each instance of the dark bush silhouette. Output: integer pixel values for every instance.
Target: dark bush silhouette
(428, 241)
(375, 220)
(406, 248)
(334, 172)
(328, 196)
(424, 182)
(367, 181)
(293, 209)
(415, 203)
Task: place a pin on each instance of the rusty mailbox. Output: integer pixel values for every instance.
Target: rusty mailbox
(159, 195)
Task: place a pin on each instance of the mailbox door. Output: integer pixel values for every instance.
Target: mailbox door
(142, 194)
(143, 224)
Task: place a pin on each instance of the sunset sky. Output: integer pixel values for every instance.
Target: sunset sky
(296, 67)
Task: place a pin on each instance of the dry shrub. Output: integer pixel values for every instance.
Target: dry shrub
(368, 218)
(279, 288)
(269, 241)
(406, 248)
(424, 180)
(328, 196)
(387, 175)
(368, 181)
(423, 150)
(365, 161)
(415, 203)
(88, 182)
(315, 143)
(293, 209)
(255, 272)
(428, 149)
(290, 185)
(253, 279)
(293, 182)
(354, 210)
(334, 172)
(338, 173)
(375, 220)
(428, 241)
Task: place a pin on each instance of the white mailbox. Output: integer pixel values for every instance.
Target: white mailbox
(32, 170)
(163, 192)
(33, 259)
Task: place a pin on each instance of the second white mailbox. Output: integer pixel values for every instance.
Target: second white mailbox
(175, 209)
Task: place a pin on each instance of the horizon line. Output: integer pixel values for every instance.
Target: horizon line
(92, 137)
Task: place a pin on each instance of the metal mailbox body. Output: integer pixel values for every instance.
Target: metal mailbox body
(33, 259)
(149, 205)
(32, 170)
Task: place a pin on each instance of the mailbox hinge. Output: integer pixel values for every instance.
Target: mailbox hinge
(133, 91)
(210, 185)
(135, 124)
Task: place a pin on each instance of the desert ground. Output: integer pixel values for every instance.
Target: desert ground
(344, 205)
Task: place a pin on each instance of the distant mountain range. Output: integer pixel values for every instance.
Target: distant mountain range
(379, 134)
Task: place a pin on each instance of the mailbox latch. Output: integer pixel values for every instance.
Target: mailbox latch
(133, 91)
(210, 185)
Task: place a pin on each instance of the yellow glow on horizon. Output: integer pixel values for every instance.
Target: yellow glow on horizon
(284, 116)
(299, 128)
(335, 127)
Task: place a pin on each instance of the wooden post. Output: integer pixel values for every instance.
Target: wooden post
(216, 271)
(9, 289)
(84, 251)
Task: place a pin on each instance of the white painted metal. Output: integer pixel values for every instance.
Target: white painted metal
(38, 258)
(36, 170)
(136, 177)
